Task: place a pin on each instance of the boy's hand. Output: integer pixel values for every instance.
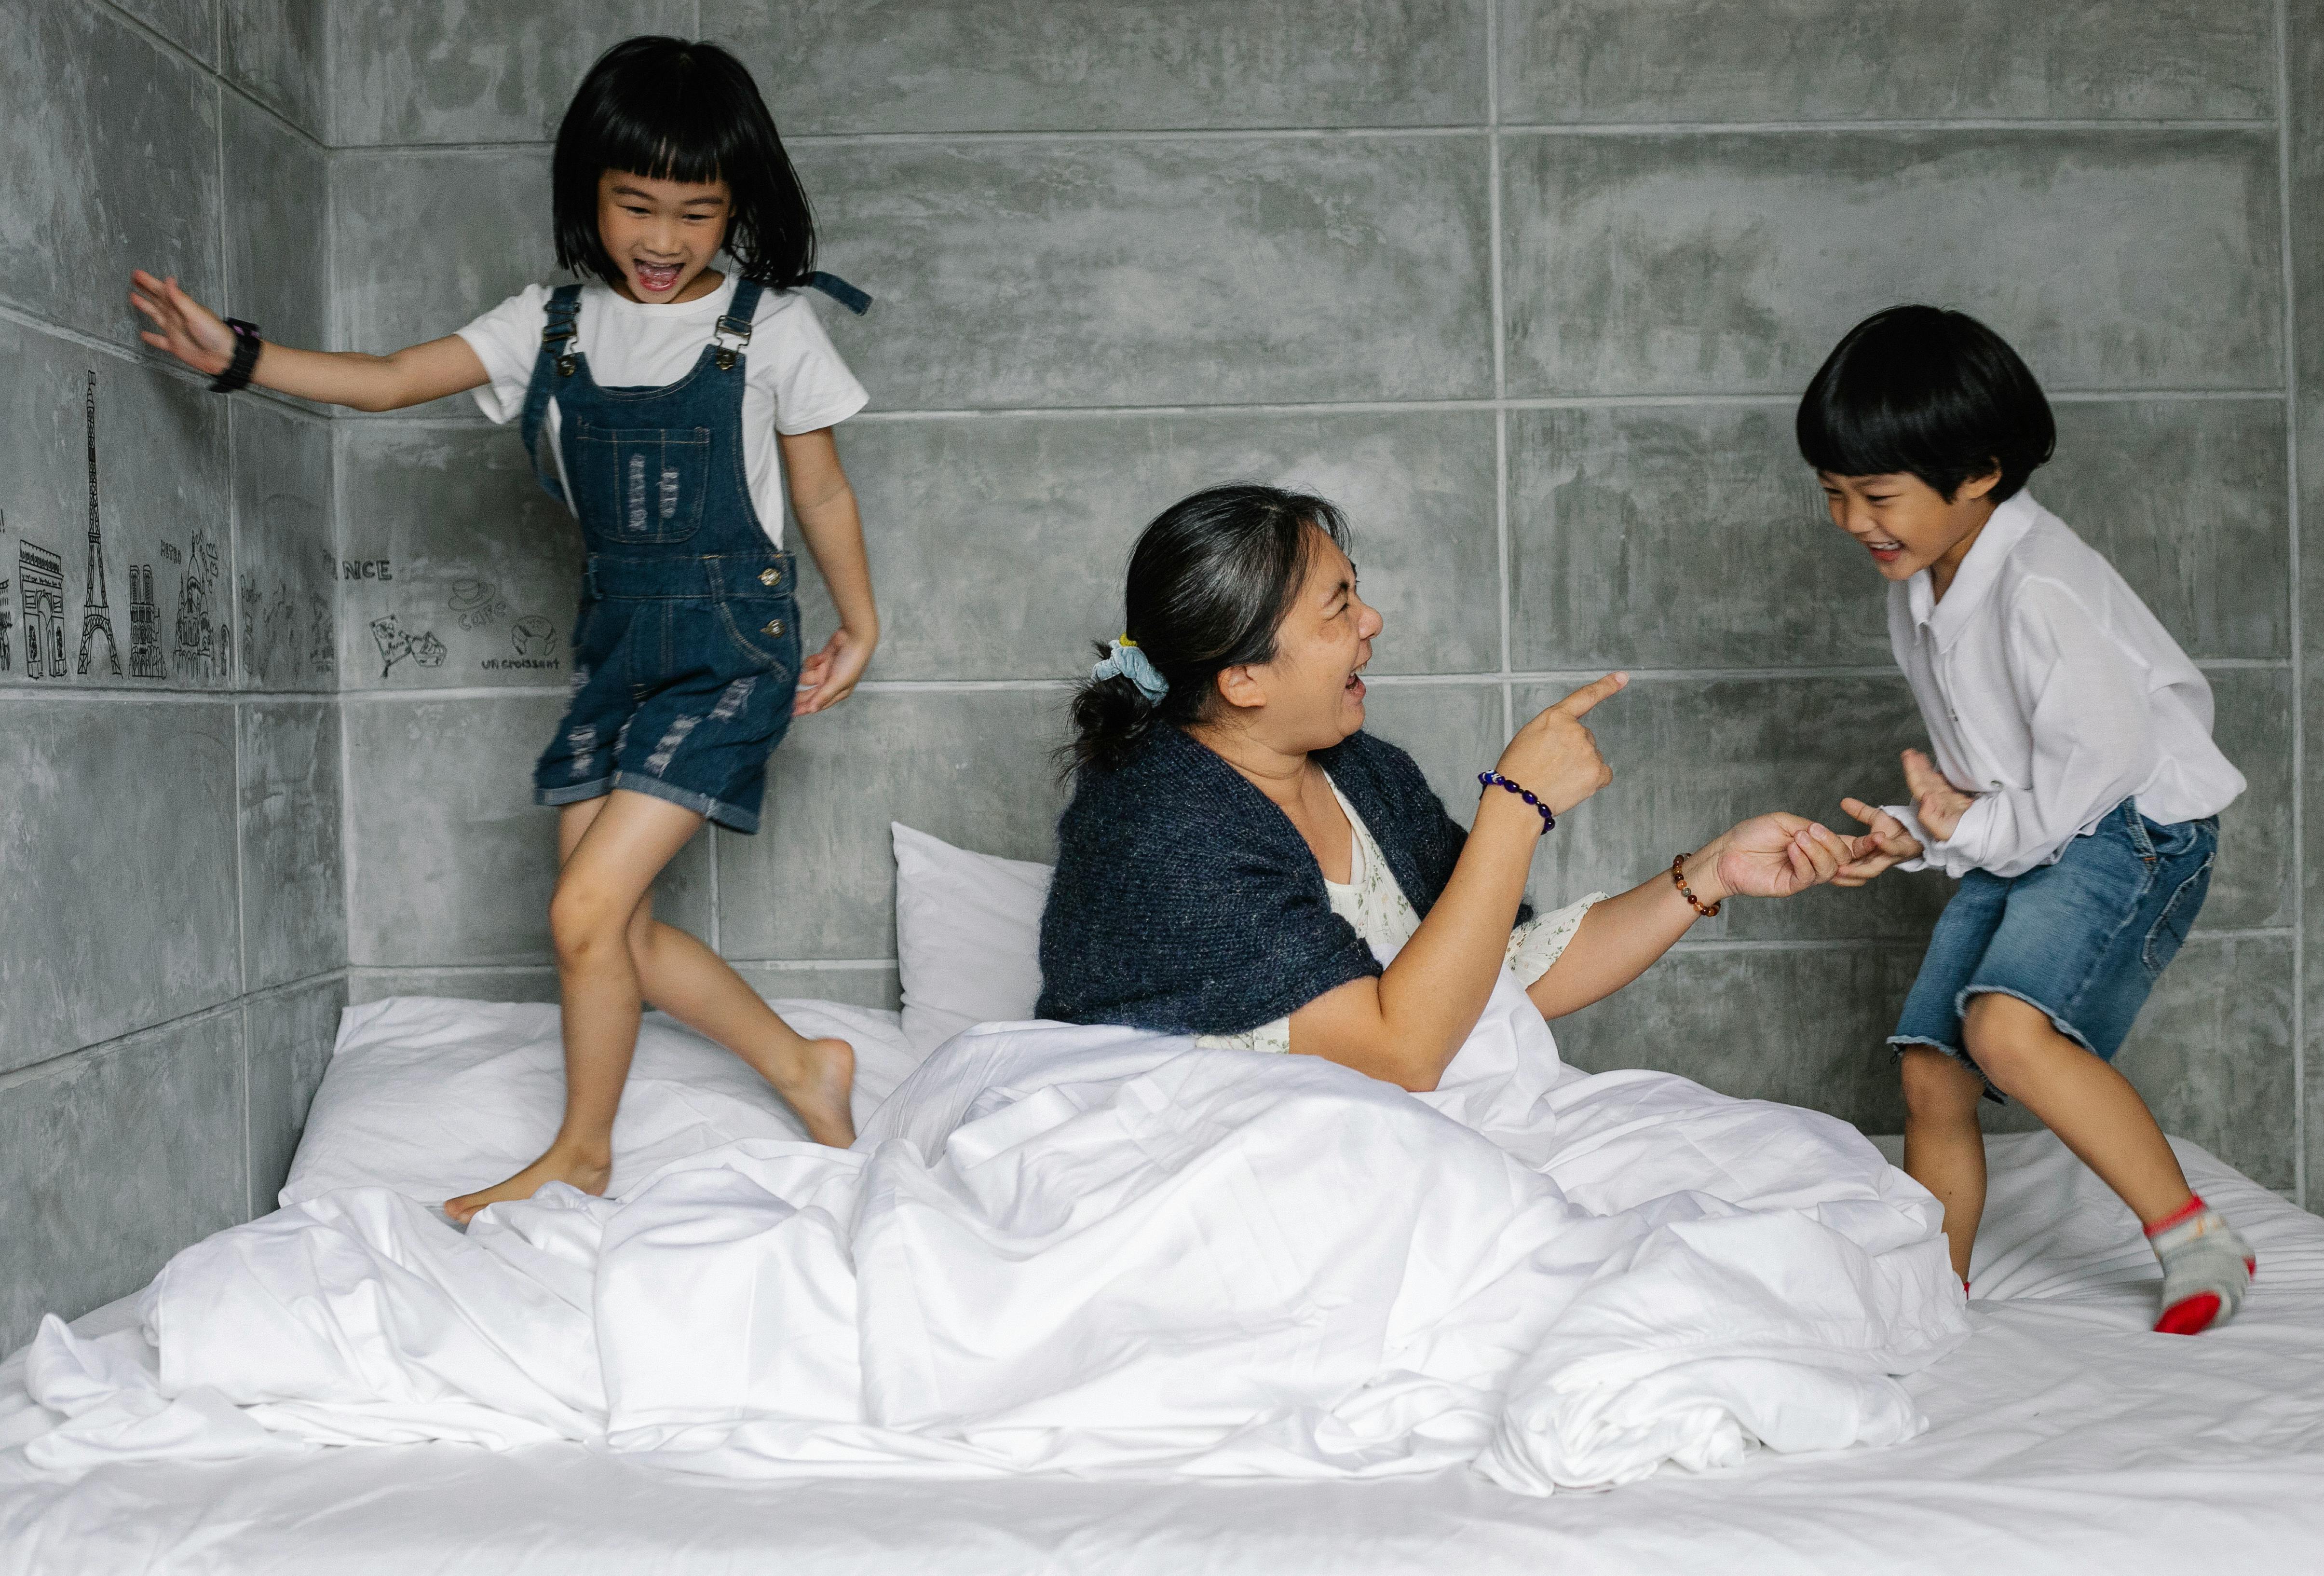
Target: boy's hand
(830, 675)
(182, 326)
(1938, 804)
(1887, 843)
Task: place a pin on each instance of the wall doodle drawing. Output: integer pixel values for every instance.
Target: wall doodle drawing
(204, 647)
(397, 643)
(41, 594)
(478, 603)
(144, 626)
(7, 613)
(94, 619)
(250, 600)
(531, 635)
(320, 656)
(280, 626)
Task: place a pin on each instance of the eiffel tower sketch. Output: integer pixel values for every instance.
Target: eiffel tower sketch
(93, 619)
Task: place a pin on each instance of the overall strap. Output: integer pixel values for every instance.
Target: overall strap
(554, 364)
(839, 291)
(733, 334)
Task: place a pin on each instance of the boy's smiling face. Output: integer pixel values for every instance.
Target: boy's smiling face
(1907, 525)
(662, 234)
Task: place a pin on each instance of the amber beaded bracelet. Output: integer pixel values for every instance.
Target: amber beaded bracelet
(1678, 875)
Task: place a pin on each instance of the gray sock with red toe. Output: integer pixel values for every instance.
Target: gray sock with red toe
(2207, 1268)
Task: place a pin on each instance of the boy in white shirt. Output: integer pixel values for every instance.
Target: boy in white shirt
(2075, 791)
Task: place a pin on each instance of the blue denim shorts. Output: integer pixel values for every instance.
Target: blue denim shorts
(2084, 939)
(683, 676)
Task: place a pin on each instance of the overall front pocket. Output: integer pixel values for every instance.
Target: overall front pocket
(644, 485)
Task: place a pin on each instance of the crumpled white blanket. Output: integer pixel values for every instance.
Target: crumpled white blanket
(1101, 1252)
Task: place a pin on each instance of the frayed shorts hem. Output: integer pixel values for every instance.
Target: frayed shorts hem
(1960, 1010)
(1900, 1043)
(732, 817)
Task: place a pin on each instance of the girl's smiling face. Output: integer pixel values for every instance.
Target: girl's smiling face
(662, 234)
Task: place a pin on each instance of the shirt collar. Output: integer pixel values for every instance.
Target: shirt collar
(2010, 521)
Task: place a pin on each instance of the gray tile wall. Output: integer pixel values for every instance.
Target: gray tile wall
(173, 938)
(1529, 285)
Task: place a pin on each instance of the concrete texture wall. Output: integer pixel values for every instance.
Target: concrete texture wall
(173, 916)
(1531, 286)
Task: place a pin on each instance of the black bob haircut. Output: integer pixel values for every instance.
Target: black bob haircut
(1932, 392)
(1209, 583)
(671, 110)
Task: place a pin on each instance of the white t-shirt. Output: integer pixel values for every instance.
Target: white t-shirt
(795, 383)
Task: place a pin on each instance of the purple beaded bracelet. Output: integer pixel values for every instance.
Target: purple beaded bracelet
(1487, 779)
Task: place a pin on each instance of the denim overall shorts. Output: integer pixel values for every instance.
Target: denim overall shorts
(685, 648)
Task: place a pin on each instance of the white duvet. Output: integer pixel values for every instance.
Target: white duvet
(1099, 1252)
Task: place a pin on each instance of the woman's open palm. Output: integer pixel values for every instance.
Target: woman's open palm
(1778, 854)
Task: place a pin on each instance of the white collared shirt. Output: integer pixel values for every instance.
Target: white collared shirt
(2050, 694)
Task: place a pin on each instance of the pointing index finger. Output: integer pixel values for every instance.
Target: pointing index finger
(1578, 704)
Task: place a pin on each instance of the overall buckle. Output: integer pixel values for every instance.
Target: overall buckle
(727, 354)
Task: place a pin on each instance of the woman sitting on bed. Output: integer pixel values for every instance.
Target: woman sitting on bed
(1239, 855)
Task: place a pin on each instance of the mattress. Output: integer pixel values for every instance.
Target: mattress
(2065, 1436)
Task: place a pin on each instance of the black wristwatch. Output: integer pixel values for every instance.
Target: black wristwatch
(246, 344)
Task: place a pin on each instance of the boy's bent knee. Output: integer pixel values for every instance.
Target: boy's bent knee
(1937, 1085)
(2005, 1034)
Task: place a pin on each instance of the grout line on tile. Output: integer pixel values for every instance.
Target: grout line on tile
(711, 827)
(217, 74)
(2298, 653)
(139, 358)
(54, 1066)
(954, 138)
(1475, 679)
(1378, 407)
(1688, 128)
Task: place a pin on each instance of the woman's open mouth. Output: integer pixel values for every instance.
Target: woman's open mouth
(655, 278)
(1355, 685)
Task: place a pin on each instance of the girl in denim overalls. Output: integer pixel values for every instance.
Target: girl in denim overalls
(667, 405)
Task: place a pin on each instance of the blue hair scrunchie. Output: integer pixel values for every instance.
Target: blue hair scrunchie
(1123, 660)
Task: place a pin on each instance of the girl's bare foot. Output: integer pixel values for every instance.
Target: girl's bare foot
(816, 1085)
(589, 1171)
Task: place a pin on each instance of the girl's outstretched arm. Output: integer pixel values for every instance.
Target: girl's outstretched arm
(196, 336)
(825, 505)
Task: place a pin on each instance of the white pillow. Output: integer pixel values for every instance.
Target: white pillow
(436, 1098)
(968, 936)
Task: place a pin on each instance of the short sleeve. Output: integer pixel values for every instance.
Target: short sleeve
(507, 340)
(795, 363)
(1537, 944)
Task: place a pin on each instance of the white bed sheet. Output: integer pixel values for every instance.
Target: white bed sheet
(2065, 1437)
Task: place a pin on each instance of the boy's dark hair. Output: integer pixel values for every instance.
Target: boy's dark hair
(1932, 392)
(671, 110)
(1210, 581)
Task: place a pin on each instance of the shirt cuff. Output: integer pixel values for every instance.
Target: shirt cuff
(1539, 942)
(1924, 859)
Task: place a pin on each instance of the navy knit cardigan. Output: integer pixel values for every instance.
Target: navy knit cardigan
(1185, 902)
